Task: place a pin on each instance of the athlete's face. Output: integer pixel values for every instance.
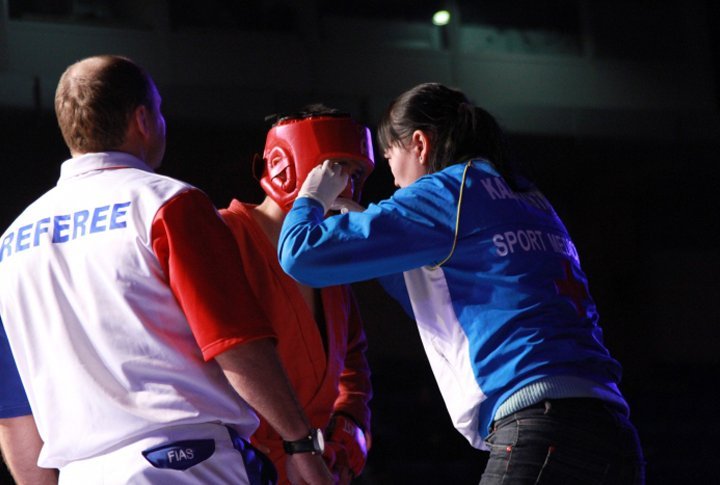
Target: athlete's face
(356, 172)
(156, 143)
(404, 165)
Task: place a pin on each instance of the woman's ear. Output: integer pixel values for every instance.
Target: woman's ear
(420, 146)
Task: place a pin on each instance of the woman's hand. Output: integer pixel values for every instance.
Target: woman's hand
(324, 183)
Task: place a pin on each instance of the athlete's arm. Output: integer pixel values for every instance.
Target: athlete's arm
(201, 260)
(355, 385)
(20, 444)
(347, 437)
(255, 372)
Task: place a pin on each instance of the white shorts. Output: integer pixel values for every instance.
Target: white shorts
(205, 455)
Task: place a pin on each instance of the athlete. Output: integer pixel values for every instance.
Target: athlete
(494, 282)
(321, 341)
(128, 313)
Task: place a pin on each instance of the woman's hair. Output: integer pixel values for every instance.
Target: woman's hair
(458, 130)
(94, 103)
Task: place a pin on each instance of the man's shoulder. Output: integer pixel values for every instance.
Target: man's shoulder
(167, 179)
(239, 213)
(161, 185)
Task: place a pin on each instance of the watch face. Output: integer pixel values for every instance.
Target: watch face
(319, 440)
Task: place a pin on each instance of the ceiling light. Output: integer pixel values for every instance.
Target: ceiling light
(441, 17)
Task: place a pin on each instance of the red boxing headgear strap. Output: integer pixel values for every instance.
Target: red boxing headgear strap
(296, 145)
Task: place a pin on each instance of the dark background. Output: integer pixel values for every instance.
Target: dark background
(643, 212)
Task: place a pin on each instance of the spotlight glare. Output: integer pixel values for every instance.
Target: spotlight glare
(441, 17)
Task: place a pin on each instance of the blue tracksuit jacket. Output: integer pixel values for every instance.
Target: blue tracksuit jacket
(506, 321)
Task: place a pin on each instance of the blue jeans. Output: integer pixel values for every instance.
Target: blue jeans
(565, 441)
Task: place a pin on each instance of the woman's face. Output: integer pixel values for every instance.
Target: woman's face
(404, 165)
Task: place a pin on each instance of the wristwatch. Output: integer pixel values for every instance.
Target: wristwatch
(313, 443)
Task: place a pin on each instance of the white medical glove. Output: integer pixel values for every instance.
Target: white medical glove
(324, 183)
(345, 205)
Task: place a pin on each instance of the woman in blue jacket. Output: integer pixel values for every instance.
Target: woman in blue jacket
(477, 255)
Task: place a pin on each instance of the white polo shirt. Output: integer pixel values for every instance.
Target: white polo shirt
(116, 286)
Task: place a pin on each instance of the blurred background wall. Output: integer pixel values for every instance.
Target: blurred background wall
(612, 105)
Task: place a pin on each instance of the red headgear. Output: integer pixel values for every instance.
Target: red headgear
(297, 144)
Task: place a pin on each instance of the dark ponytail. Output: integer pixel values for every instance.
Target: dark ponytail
(459, 131)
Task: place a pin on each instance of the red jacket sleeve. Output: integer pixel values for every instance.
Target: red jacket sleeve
(198, 254)
(355, 386)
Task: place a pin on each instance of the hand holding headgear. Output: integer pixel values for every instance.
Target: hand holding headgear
(324, 183)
